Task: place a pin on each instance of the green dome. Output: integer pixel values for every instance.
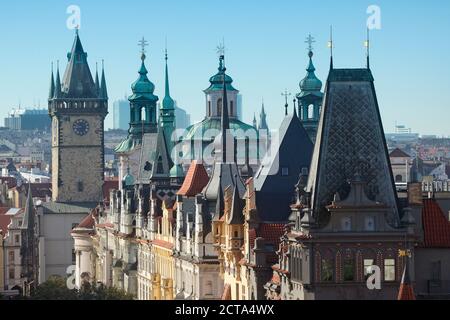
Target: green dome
(128, 180)
(311, 82)
(217, 80)
(198, 129)
(143, 88)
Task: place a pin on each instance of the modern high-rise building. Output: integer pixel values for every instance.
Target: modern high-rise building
(28, 119)
(121, 114)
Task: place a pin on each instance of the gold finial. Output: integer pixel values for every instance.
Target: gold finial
(404, 253)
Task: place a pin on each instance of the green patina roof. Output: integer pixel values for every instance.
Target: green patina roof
(143, 88)
(198, 129)
(310, 82)
(217, 80)
(128, 180)
(127, 145)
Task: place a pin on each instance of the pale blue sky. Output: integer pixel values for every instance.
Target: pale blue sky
(265, 50)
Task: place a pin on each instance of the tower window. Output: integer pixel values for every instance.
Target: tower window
(80, 186)
(209, 109)
(327, 270)
(349, 270)
(231, 108)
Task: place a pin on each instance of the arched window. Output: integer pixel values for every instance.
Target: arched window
(219, 107)
(311, 111)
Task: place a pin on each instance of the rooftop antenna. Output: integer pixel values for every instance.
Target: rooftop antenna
(367, 46)
(286, 95)
(331, 46)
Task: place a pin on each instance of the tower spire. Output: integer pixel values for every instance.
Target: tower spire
(52, 85)
(97, 81)
(331, 45)
(104, 91)
(286, 94)
(58, 82)
(225, 121)
(367, 45)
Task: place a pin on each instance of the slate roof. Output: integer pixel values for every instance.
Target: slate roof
(59, 207)
(194, 182)
(77, 81)
(155, 161)
(436, 226)
(274, 190)
(350, 138)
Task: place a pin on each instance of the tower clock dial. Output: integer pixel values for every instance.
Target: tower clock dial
(81, 127)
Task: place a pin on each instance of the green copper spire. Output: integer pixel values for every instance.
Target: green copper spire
(52, 85)
(310, 82)
(168, 102)
(218, 79)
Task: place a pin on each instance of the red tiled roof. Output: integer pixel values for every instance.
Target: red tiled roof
(108, 185)
(163, 244)
(252, 237)
(5, 220)
(436, 226)
(12, 182)
(196, 179)
(406, 292)
(397, 153)
(271, 232)
(88, 222)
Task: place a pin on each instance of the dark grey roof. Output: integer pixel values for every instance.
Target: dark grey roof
(294, 153)
(237, 206)
(28, 215)
(59, 207)
(226, 175)
(77, 81)
(155, 161)
(350, 140)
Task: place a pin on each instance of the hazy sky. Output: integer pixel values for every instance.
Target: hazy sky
(266, 52)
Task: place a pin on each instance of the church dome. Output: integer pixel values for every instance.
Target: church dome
(143, 87)
(311, 82)
(217, 80)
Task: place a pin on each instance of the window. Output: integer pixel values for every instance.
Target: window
(368, 263)
(327, 270)
(12, 274)
(19, 223)
(208, 288)
(236, 234)
(17, 238)
(285, 171)
(389, 269)
(399, 178)
(346, 224)
(369, 224)
(11, 257)
(349, 270)
(231, 108)
(80, 186)
(74, 256)
(209, 108)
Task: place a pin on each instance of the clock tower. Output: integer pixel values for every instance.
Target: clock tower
(78, 106)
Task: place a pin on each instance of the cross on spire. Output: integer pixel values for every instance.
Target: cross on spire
(220, 49)
(286, 94)
(310, 40)
(143, 43)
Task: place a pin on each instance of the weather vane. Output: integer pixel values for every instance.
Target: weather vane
(310, 40)
(143, 43)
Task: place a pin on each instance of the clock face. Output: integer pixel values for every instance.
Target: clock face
(81, 127)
